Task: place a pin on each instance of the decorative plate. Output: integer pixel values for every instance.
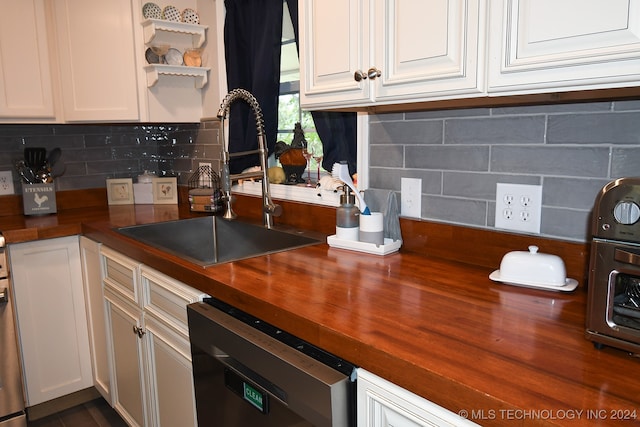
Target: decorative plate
(151, 57)
(171, 13)
(151, 11)
(190, 16)
(192, 57)
(173, 57)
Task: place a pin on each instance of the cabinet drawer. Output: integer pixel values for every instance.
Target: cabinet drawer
(121, 274)
(167, 298)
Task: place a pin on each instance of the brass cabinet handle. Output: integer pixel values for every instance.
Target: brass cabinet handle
(138, 331)
(371, 73)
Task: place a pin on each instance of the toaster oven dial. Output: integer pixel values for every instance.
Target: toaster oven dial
(626, 212)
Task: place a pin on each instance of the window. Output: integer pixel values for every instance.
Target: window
(289, 112)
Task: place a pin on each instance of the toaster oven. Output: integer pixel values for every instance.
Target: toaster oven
(613, 303)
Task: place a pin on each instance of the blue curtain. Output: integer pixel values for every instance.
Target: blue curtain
(253, 33)
(252, 37)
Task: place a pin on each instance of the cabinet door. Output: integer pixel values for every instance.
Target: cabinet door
(428, 49)
(545, 45)
(170, 375)
(97, 59)
(334, 44)
(94, 301)
(52, 321)
(123, 322)
(25, 73)
(381, 403)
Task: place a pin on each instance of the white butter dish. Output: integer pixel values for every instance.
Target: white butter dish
(534, 270)
(388, 247)
(569, 284)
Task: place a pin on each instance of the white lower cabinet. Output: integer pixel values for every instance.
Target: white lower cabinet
(170, 375)
(123, 321)
(148, 338)
(52, 320)
(94, 302)
(384, 404)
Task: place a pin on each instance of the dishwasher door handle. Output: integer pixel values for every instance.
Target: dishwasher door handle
(251, 377)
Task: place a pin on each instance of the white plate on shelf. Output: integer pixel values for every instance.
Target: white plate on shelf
(151, 57)
(388, 247)
(171, 13)
(569, 285)
(190, 16)
(151, 11)
(173, 57)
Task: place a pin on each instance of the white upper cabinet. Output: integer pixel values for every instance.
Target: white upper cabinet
(25, 69)
(550, 45)
(71, 61)
(428, 49)
(373, 52)
(359, 52)
(96, 48)
(334, 44)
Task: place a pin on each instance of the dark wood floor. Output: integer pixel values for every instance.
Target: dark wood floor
(96, 413)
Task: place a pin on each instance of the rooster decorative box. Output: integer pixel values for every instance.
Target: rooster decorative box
(39, 199)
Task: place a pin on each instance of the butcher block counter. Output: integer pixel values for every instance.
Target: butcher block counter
(498, 354)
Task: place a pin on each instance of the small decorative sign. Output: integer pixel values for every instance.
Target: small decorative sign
(120, 191)
(165, 191)
(39, 199)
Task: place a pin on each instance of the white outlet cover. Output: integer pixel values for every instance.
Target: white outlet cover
(411, 197)
(6, 183)
(518, 207)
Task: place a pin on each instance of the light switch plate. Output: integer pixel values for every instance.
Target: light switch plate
(6, 182)
(411, 197)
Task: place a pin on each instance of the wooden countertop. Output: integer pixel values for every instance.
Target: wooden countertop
(440, 328)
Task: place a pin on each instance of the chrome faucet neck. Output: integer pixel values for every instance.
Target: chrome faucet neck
(269, 209)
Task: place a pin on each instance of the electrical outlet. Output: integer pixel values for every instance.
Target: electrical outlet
(203, 178)
(6, 182)
(518, 207)
(411, 197)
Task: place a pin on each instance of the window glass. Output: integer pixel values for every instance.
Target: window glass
(289, 112)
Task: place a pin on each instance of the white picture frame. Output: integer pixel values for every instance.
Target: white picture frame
(120, 191)
(165, 191)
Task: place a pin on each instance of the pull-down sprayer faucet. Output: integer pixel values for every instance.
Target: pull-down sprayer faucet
(269, 209)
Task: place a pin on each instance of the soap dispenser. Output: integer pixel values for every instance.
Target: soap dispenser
(347, 216)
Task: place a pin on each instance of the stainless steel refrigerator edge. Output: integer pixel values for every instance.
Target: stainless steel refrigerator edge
(11, 392)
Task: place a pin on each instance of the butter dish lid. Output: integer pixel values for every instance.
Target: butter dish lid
(534, 269)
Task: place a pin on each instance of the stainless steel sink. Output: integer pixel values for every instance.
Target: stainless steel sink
(212, 240)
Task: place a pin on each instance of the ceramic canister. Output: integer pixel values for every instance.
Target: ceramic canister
(372, 228)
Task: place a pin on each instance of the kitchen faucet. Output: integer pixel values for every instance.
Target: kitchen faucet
(269, 209)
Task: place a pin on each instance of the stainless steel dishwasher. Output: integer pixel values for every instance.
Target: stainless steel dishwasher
(249, 373)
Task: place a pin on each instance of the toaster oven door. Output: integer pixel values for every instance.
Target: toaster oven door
(613, 310)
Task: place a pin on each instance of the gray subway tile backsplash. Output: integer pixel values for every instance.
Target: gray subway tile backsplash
(495, 130)
(93, 153)
(585, 161)
(572, 150)
(451, 157)
(596, 128)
